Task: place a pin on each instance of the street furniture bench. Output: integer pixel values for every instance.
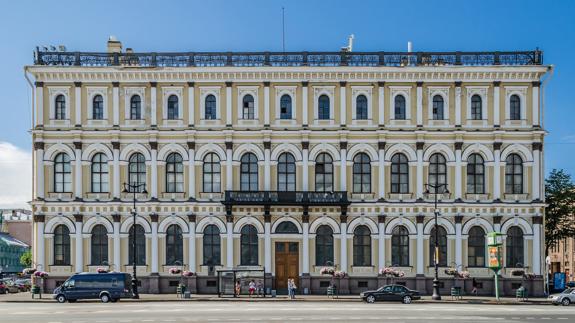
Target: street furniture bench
(456, 293)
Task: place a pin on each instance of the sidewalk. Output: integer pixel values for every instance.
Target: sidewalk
(27, 298)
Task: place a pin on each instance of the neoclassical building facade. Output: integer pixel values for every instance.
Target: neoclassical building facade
(287, 163)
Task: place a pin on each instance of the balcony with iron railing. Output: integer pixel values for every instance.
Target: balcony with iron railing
(287, 59)
(300, 198)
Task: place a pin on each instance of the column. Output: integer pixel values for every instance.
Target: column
(78, 103)
(192, 242)
(154, 170)
(191, 170)
(229, 172)
(39, 169)
(229, 104)
(343, 240)
(419, 171)
(117, 243)
(155, 254)
(381, 102)
(229, 240)
(39, 103)
(342, 103)
(267, 244)
(79, 260)
(536, 189)
(267, 166)
(537, 221)
(381, 241)
(458, 241)
(153, 104)
(497, 171)
(191, 104)
(496, 121)
(458, 170)
(381, 171)
(457, 104)
(39, 250)
(419, 104)
(305, 242)
(305, 166)
(304, 103)
(419, 267)
(116, 103)
(267, 104)
(343, 167)
(116, 170)
(535, 103)
(78, 170)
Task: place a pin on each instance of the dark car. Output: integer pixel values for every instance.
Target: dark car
(391, 293)
(108, 287)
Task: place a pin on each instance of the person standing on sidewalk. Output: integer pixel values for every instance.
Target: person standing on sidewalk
(293, 288)
(289, 288)
(474, 284)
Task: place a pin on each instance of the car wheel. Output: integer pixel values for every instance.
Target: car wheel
(565, 302)
(407, 299)
(105, 298)
(61, 299)
(370, 299)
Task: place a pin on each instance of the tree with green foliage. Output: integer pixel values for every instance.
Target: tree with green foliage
(560, 210)
(26, 259)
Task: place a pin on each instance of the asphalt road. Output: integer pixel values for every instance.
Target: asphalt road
(279, 312)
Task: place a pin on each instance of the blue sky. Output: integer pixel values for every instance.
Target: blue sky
(310, 25)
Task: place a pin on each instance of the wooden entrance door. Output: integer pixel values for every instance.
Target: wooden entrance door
(287, 263)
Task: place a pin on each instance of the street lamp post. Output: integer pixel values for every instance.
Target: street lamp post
(134, 188)
(436, 296)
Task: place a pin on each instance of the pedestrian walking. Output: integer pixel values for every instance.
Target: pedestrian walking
(475, 285)
(289, 288)
(294, 288)
(237, 289)
(260, 288)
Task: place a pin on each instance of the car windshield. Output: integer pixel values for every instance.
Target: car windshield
(568, 291)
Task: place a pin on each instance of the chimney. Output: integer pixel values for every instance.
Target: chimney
(114, 45)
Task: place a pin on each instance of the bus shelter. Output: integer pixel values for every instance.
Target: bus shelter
(228, 278)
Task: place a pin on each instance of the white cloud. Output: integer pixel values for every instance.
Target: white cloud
(15, 176)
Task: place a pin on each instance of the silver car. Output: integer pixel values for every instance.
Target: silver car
(564, 298)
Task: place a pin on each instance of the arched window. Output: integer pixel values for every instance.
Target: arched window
(361, 246)
(514, 244)
(475, 174)
(249, 246)
(99, 245)
(249, 172)
(323, 173)
(437, 172)
(174, 173)
(513, 174)
(324, 246)
(173, 110)
(286, 227)
(400, 113)
(99, 171)
(212, 245)
(323, 107)
(285, 107)
(137, 171)
(400, 246)
(210, 107)
(62, 174)
(476, 247)
(60, 113)
(174, 245)
(98, 107)
(442, 238)
(437, 107)
(476, 108)
(248, 109)
(61, 245)
(514, 107)
(361, 173)
(211, 173)
(361, 107)
(286, 172)
(399, 174)
(135, 107)
(140, 238)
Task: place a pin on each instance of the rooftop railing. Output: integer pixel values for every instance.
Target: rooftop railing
(291, 59)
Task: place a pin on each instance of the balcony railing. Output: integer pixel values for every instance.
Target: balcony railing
(278, 59)
(286, 198)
